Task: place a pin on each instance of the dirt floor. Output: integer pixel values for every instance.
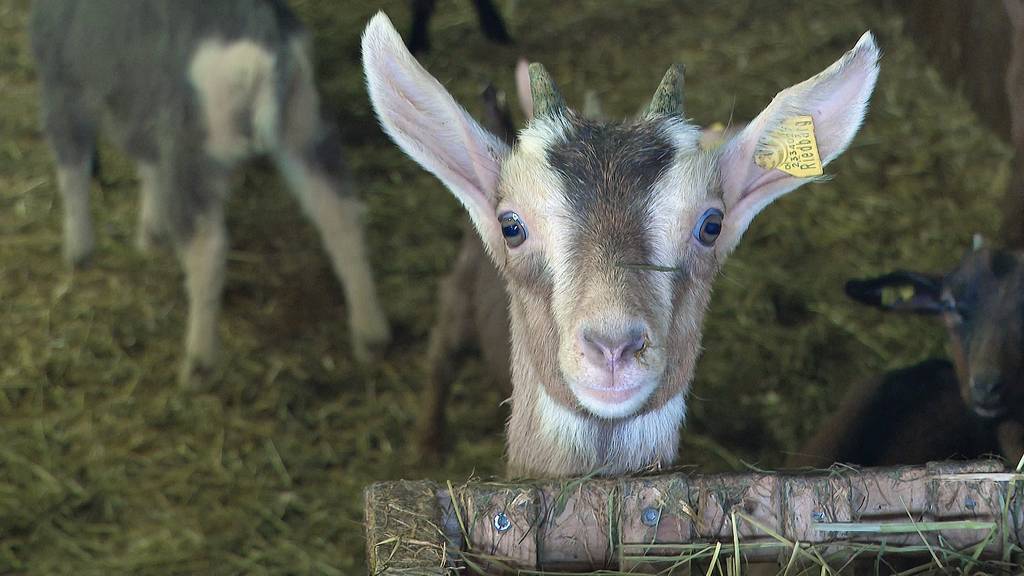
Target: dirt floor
(106, 467)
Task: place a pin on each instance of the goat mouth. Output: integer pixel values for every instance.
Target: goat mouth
(615, 395)
(988, 412)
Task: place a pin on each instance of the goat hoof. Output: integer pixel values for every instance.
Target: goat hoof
(195, 374)
(148, 241)
(79, 256)
(370, 338)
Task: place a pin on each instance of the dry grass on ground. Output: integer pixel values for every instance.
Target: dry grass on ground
(106, 467)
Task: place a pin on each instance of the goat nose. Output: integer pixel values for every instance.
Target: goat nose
(988, 388)
(609, 351)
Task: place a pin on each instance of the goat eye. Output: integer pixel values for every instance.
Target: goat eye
(513, 229)
(708, 227)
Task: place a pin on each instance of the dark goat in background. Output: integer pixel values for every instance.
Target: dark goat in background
(191, 89)
(491, 23)
(939, 409)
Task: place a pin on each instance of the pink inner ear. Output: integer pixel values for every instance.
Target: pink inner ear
(836, 99)
(459, 150)
(427, 123)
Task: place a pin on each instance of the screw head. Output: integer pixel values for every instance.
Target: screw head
(650, 516)
(970, 503)
(502, 522)
(818, 516)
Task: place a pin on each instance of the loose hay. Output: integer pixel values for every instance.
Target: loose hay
(105, 467)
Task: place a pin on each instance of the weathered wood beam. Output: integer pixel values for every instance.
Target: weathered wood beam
(643, 523)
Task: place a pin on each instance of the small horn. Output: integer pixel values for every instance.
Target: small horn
(668, 98)
(547, 101)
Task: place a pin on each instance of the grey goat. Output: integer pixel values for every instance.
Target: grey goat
(190, 89)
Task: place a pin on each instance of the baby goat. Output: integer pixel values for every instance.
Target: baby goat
(937, 409)
(472, 309)
(192, 88)
(608, 237)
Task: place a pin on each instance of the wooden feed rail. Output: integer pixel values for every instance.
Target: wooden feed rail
(957, 513)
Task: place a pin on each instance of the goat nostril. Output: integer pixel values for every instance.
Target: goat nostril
(635, 347)
(614, 351)
(988, 389)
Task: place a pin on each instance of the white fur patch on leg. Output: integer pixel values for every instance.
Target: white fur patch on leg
(202, 258)
(339, 220)
(235, 84)
(73, 181)
(151, 222)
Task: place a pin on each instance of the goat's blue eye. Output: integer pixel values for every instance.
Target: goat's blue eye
(709, 226)
(512, 228)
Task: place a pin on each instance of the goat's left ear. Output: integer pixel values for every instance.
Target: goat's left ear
(426, 122)
(900, 291)
(836, 100)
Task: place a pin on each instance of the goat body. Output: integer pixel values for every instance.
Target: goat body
(190, 89)
(968, 408)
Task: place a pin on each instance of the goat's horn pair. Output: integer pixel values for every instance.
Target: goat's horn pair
(667, 101)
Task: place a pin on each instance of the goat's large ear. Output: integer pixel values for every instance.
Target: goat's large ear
(900, 292)
(836, 99)
(426, 122)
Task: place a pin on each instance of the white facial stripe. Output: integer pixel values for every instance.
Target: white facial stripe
(541, 135)
(679, 196)
(533, 189)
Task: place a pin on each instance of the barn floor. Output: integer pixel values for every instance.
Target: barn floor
(106, 467)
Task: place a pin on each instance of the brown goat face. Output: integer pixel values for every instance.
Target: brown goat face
(984, 310)
(982, 304)
(610, 254)
(608, 236)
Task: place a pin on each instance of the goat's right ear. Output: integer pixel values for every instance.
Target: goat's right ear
(834, 102)
(900, 291)
(430, 126)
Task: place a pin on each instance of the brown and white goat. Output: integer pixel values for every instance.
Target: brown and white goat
(472, 304)
(190, 89)
(608, 237)
(937, 409)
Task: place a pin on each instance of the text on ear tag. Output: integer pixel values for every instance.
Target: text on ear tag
(792, 148)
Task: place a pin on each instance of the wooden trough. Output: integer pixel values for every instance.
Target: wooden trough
(950, 513)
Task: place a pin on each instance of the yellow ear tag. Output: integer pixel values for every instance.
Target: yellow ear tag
(791, 148)
(892, 295)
